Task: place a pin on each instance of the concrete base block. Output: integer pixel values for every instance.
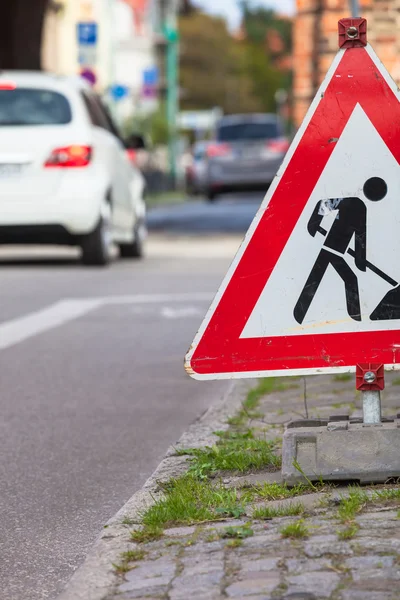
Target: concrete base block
(341, 451)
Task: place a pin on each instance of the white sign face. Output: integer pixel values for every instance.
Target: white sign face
(352, 164)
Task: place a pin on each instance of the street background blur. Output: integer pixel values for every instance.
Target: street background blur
(170, 68)
(92, 388)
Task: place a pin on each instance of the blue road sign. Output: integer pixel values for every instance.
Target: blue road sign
(150, 76)
(119, 92)
(87, 33)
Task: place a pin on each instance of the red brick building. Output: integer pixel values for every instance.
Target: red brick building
(315, 42)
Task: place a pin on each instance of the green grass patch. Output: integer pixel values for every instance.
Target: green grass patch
(146, 534)
(235, 543)
(128, 558)
(298, 529)
(351, 505)
(133, 555)
(293, 509)
(211, 537)
(189, 500)
(240, 454)
(240, 532)
(348, 532)
(343, 377)
(127, 521)
(123, 568)
(396, 381)
(275, 491)
(250, 404)
(386, 495)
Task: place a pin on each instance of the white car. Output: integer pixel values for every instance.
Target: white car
(65, 177)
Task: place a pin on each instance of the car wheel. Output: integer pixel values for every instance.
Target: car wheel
(96, 246)
(136, 249)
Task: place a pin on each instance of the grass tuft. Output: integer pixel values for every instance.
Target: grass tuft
(295, 530)
(386, 495)
(264, 387)
(352, 504)
(128, 521)
(275, 491)
(127, 558)
(240, 532)
(235, 543)
(123, 567)
(348, 532)
(293, 509)
(240, 454)
(133, 555)
(146, 534)
(189, 500)
(396, 381)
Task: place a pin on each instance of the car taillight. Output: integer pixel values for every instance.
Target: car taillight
(215, 150)
(131, 154)
(7, 85)
(278, 145)
(70, 156)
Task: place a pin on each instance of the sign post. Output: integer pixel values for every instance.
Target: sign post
(315, 286)
(354, 8)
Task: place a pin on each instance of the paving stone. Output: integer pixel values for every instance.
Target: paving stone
(376, 545)
(300, 565)
(261, 564)
(300, 596)
(352, 594)
(151, 592)
(204, 585)
(262, 541)
(377, 584)
(327, 544)
(149, 575)
(375, 574)
(320, 583)
(179, 531)
(265, 584)
(369, 562)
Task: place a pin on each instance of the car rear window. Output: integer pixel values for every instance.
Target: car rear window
(26, 106)
(247, 131)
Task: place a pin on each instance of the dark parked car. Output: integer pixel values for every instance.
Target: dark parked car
(246, 154)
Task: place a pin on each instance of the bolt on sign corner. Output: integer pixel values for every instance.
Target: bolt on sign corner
(315, 286)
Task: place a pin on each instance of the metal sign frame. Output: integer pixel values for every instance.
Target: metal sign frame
(218, 351)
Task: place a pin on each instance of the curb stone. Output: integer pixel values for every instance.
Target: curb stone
(96, 579)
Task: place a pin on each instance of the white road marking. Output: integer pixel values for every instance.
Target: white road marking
(157, 298)
(22, 328)
(178, 313)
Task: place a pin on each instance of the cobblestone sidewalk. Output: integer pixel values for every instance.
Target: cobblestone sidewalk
(249, 558)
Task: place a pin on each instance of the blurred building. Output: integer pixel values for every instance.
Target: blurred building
(316, 42)
(119, 48)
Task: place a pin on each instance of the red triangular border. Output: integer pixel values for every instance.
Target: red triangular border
(220, 351)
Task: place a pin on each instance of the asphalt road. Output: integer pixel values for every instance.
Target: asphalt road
(92, 389)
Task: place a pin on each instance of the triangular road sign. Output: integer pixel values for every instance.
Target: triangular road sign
(314, 286)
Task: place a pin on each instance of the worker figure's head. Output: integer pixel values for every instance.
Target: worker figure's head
(375, 189)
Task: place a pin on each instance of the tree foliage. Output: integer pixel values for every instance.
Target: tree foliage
(259, 20)
(236, 73)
